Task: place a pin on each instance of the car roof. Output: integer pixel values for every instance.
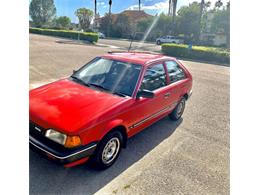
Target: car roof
(142, 58)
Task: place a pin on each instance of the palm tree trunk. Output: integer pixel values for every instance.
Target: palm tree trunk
(200, 16)
(110, 19)
(95, 13)
(174, 14)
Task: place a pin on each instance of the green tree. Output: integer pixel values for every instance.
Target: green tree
(42, 11)
(143, 24)
(188, 17)
(218, 4)
(85, 17)
(104, 23)
(63, 22)
(221, 22)
(123, 26)
(163, 26)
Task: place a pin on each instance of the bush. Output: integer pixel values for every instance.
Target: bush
(88, 36)
(197, 52)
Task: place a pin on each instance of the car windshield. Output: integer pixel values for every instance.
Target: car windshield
(110, 75)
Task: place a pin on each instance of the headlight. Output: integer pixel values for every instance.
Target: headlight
(56, 136)
(63, 139)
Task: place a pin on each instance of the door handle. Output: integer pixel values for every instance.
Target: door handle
(167, 95)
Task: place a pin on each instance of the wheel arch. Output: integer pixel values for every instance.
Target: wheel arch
(117, 125)
(186, 96)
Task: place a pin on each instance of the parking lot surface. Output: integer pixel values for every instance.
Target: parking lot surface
(190, 156)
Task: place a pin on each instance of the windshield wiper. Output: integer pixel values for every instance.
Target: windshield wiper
(98, 86)
(102, 87)
(119, 93)
(79, 80)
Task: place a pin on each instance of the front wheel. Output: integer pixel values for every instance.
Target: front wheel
(178, 110)
(107, 151)
(158, 42)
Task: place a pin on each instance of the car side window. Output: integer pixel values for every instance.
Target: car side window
(175, 72)
(154, 78)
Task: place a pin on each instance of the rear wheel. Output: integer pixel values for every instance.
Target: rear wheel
(178, 110)
(107, 151)
(158, 42)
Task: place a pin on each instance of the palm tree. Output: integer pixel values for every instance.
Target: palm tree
(110, 19)
(174, 13)
(202, 4)
(218, 4)
(95, 5)
(95, 12)
(139, 5)
(110, 4)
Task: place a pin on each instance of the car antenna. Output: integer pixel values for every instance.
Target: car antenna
(133, 37)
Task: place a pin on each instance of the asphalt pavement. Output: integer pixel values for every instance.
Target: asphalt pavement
(190, 156)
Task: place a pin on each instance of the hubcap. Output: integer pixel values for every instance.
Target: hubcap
(110, 151)
(180, 108)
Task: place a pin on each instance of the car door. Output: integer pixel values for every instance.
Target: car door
(168, 40)
(163, 39)
(145, 111)
(177, 80)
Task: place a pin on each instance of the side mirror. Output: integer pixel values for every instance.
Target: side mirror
(74, 71)
(145, 93)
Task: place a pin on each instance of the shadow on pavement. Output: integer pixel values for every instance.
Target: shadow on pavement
(47, 177)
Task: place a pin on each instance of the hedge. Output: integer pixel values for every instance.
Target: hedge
(197, 52)
(88, 36)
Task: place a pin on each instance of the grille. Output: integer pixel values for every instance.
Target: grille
(40, 136)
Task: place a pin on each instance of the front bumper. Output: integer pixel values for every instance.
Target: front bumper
(60, 154)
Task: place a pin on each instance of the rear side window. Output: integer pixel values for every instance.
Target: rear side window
(154, 78)
(175, 71)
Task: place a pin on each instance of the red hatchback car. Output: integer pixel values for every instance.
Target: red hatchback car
(91, 114)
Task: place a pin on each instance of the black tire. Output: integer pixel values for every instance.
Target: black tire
(178, 110)
(158, 42)
(97, 160)
(174, 42)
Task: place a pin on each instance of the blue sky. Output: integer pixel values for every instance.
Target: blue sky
(68, 7)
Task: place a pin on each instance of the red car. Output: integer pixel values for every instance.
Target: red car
(91, 114)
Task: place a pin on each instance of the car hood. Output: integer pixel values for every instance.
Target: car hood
(67, 106)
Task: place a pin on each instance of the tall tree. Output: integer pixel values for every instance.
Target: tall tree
(188, 17)
(202, 4)
(62, 22)
(95, 5)
(95, 13)
(221, 22)
(139, 3)
(110, 19)
(42, 11)
(174, 15)
(174, 9)
(85, 17)
(123, 25)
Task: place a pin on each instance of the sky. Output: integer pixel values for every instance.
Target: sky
(68, 7)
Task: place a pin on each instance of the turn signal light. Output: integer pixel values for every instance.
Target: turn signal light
(72, 141)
